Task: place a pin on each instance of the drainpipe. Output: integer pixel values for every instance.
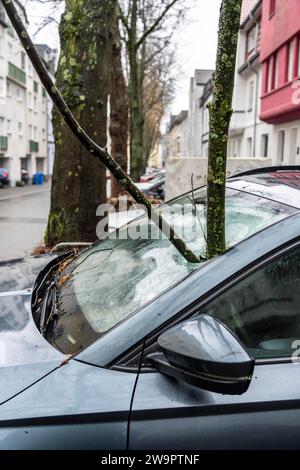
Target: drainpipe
(256, 89)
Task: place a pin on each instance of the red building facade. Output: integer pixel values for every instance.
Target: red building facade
(280, 59)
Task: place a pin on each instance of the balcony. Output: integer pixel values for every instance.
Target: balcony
(33, 146)
(281, 105)
(16, 74)
(3, 143)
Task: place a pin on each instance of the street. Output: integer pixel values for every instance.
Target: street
(23, 219)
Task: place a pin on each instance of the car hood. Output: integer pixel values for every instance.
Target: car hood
(25, 356)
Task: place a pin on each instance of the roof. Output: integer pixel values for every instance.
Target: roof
(251, 12)
(247, 7)
(280, 186)
(177, 119)
(202, 76)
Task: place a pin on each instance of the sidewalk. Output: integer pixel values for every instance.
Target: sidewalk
(23, 219)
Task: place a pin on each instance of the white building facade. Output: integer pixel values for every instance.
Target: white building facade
(250, 140)
(23, 107)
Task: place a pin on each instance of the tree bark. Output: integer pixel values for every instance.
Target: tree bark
(79, 180)
(118, 112)
(220, 111)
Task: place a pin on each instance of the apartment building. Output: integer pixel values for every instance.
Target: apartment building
(265, 125)
(50, 59)
(177, 136)
(23, 106)
(280, 92)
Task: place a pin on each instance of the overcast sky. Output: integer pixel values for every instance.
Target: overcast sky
(197, 41)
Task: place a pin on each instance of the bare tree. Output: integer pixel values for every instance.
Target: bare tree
(147, 26)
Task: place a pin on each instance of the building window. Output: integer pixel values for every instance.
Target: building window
(2, 126)
(272, 9)
(281, 146)
(297, 65)
(30, 133)
(273, 72)
(19, 94)
(20, 128)
(1, 86)
(35, 87)
(249, 147)
(44, 134)
(30, 101)
(250, 42)
(270, 74)
(35, 104)
(290, 62)
(8, 88)
(250, 96)
(8, 126)
(264, 145)
(23, 60)
(35, 134)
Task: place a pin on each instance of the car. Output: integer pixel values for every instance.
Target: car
(128, 345)
(152, 175)
(4, 177)
(154, 188)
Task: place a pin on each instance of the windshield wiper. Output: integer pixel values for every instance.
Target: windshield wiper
(49, 307)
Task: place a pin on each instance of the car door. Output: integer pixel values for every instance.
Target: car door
(263, 308)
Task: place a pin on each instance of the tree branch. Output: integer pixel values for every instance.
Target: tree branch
(155, 24)
(94, 149)
(123, 18)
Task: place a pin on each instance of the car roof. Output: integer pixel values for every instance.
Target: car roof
(280, 186)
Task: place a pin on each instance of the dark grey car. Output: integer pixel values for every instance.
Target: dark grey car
(128, 346)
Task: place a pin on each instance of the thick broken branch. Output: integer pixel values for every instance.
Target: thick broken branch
(94, 149)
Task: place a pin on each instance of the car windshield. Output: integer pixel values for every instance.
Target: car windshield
(117, 276)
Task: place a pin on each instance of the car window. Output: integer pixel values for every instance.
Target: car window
(264, 308)
(119, 275)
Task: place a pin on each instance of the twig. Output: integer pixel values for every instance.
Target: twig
(193, 201)
(94, 149)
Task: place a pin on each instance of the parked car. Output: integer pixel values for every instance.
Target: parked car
(4, 177)
(152, 175)
(129, 346)
(154, 188)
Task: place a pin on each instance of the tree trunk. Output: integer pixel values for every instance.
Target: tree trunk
(135, 99)
(136, 125)
(220, 111)
(118, 112)
(79, 180)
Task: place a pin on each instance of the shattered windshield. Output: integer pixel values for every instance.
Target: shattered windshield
(119, 275)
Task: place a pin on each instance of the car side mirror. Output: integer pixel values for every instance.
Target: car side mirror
(205, 353)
